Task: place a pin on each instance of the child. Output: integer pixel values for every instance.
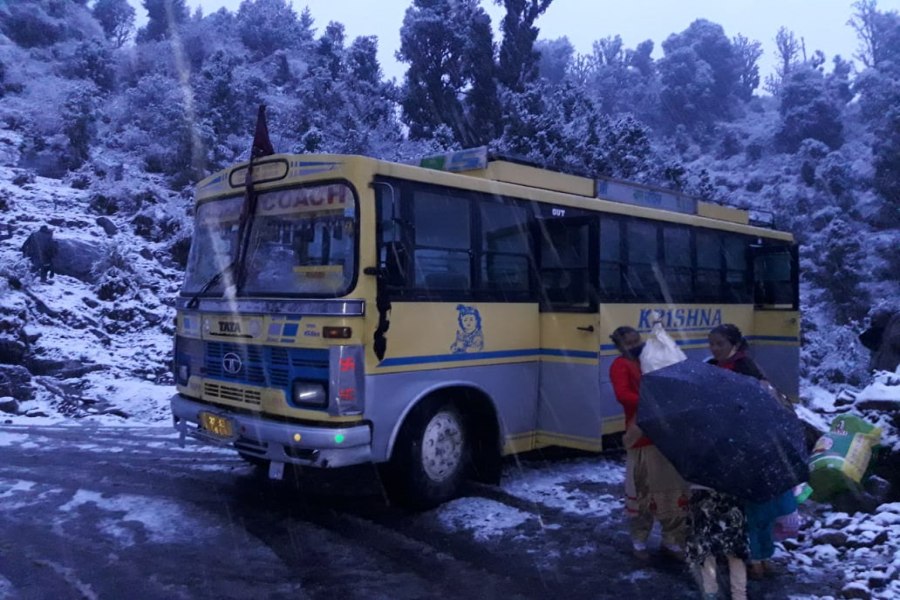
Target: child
(717, 527)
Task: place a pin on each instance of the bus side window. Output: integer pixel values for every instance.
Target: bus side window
(677, 263)
(442, 259)
(641, 272)
(775, 277)
(565, 263)
(737, 280)
(505, 267)
(610, 257)
(708, 276)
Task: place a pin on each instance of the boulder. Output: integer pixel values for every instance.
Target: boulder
(76, 258)
(15, 381)
(856, 589)
(9, 405)
(834, 537)
(143, 225)
(44, 366)
(12, 351)
(108, 226)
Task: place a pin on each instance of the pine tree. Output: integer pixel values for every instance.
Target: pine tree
(117, 19)
(518, 60)
(162, 17)
(448, 47)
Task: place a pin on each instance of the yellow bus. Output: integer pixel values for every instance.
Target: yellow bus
(434, 317)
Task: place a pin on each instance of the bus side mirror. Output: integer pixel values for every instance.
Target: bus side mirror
(396, 264)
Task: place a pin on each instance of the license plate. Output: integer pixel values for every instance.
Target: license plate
(218, 426)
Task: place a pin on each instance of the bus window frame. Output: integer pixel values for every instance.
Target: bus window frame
(534, 212)
(620, 262)
(404, 207)
(354, 280)
(578, 219)
(766, 246)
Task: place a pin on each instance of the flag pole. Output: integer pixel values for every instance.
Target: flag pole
(261, 147)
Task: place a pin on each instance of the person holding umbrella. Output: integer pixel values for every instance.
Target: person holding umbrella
(729, 350)
(653, 488)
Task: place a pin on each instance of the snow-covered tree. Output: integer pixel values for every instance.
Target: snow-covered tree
(450, 52)
(809, 110)
(92, 60)
(789, 50)
(518, 59)
(163, 17)
(620, 80)
(269, 25)
(117, 19)
(555, 58)
(747, 53)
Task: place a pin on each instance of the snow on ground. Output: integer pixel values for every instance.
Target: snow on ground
(568, 486)
(484, 519)
(154, 517)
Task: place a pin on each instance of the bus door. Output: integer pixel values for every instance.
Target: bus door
(776, 319)
(569, 331)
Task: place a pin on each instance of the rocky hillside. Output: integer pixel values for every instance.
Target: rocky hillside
(97, 337)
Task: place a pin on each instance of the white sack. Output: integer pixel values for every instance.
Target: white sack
(660, 350)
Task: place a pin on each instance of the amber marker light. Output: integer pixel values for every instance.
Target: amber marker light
(337, 333)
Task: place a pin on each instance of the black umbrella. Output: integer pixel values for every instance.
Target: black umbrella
(723, 430)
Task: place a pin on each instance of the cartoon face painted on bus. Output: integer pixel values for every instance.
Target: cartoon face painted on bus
(469, 337)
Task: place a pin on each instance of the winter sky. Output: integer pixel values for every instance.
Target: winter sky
(822, 23)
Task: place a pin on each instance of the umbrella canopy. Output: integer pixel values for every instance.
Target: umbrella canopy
(723, 430)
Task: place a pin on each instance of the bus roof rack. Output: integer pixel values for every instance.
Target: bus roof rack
(483, 162)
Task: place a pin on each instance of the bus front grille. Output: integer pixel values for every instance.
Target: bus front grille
(264, 366)
(232, 393)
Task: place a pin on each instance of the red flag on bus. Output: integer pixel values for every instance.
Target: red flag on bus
(261, 144)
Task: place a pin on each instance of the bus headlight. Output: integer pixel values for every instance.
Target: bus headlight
(306, 393)
(183, 374)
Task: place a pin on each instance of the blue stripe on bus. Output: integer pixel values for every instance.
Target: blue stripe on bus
(469, 356)
(773, 338)
(670, 329)
(568, 353)
(436, 358)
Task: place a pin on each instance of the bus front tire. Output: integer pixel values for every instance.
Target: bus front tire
(431, 457)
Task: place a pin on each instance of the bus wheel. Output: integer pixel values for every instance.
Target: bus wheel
(431, 457)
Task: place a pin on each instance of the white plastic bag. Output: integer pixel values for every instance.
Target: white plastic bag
(660, 350)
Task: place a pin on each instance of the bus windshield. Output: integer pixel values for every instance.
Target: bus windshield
(214, 245)
(303, 241)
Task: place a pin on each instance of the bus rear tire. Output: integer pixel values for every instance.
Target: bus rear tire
(431, 457)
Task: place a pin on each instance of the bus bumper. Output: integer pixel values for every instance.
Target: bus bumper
(306, 445)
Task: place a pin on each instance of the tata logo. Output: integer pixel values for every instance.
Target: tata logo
(229, 327)
(231, 362)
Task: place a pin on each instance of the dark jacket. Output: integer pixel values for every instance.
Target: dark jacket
(887, 357)
(740, 363)
(40, 247)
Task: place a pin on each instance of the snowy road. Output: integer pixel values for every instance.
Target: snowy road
(114, 512)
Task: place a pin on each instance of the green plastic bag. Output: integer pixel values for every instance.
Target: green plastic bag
(841, 457)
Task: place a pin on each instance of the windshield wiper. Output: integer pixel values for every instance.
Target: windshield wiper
(195, 299)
